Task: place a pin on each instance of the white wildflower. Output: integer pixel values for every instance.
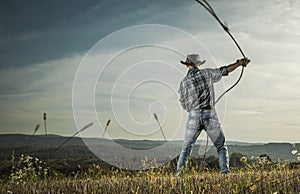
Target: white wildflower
(243, 159)
(294, 152)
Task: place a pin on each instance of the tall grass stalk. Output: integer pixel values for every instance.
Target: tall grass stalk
(204, 155)
(46, 142)
(106, 126)
(84, 128)
(34, 131)
(162, 132)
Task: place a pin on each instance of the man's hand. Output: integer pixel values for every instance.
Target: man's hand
(240, 62)
(243, 62)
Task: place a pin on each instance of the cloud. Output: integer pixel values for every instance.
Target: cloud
(39, 31)
(29, 91)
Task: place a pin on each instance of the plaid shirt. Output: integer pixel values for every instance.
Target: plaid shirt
(196, 89)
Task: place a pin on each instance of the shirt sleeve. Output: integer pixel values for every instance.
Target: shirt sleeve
(224, 70)
(216, 74)
(182, 95)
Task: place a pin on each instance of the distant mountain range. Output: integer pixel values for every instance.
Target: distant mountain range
(21, 140)
(76, 147)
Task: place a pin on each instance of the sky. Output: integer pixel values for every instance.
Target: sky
(90, 61)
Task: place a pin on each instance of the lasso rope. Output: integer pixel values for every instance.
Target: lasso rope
(209, 8)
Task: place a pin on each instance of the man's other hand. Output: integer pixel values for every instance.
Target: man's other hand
(243, 62)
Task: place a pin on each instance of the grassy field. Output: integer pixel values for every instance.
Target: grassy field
(30, 175)
(284, 181)
(255, 174)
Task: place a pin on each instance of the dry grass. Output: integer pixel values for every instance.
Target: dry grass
(31, 175)
(96, 181)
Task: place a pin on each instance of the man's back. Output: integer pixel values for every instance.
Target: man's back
(196, 89)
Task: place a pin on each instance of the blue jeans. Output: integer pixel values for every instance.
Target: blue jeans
(207, 120)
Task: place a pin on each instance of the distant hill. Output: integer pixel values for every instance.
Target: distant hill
(76, 147)
(22, 140)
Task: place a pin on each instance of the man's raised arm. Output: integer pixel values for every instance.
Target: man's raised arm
(240, 62)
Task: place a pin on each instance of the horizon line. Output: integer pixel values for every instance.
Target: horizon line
(247, 142)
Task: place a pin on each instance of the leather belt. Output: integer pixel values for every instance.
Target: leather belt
(207, 108)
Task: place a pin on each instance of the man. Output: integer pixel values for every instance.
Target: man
(198, 99)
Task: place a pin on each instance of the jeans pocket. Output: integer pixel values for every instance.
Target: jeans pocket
(192, 122)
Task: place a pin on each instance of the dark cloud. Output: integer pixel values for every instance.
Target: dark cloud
(35, 31)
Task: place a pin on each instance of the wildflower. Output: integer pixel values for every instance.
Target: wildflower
(294, 152)
(298, 158)
(243, 159)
